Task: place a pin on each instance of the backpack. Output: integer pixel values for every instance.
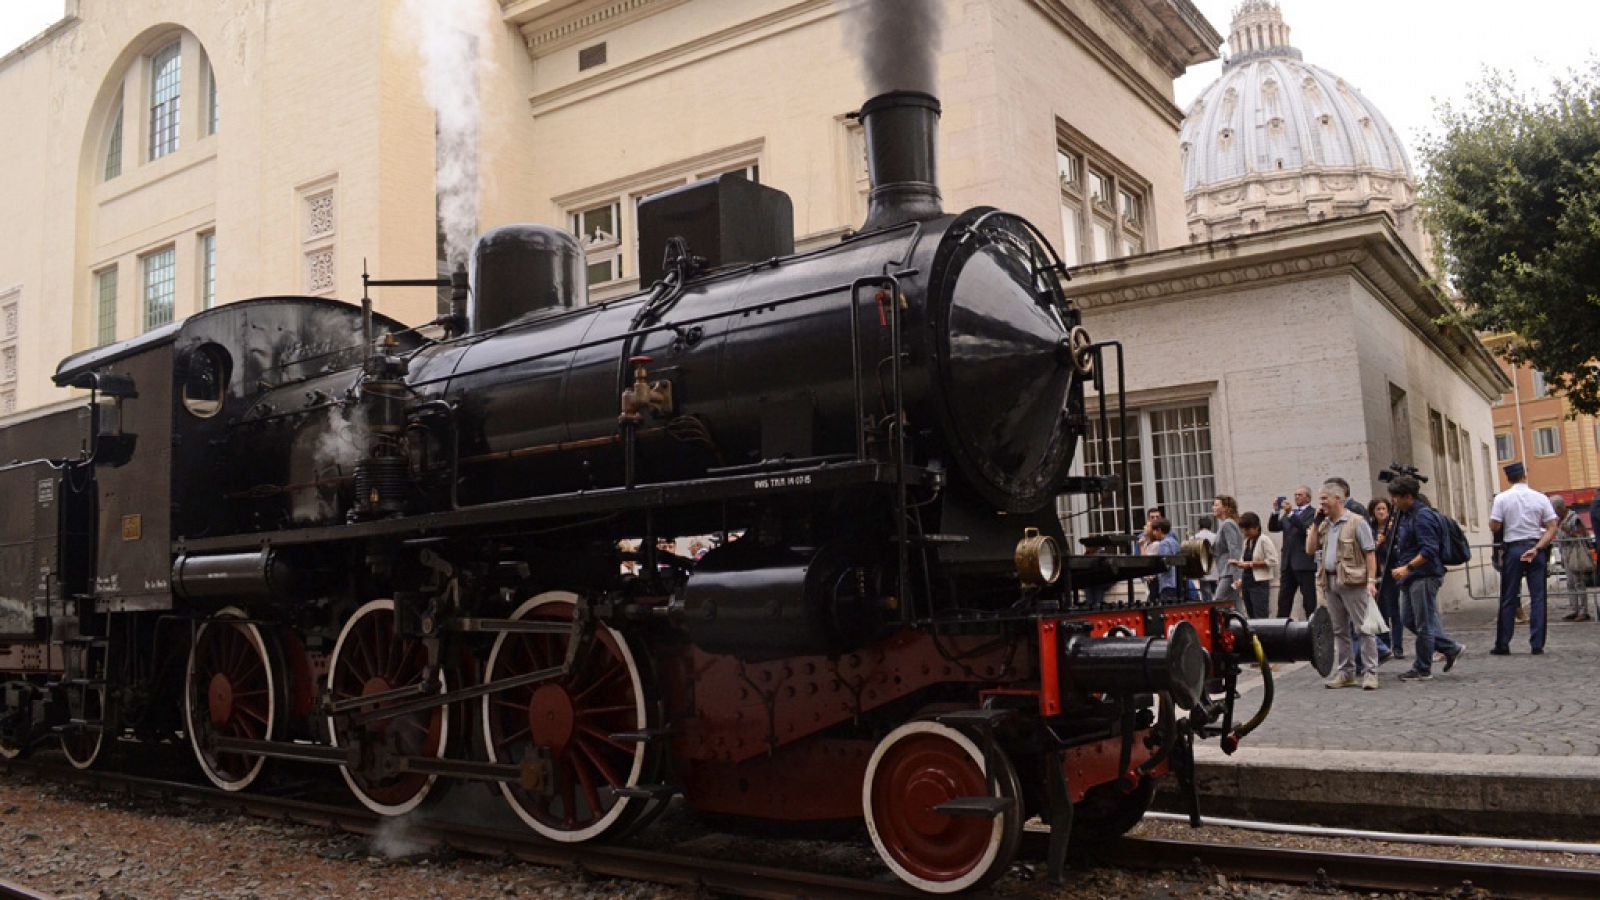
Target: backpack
(1454, 549)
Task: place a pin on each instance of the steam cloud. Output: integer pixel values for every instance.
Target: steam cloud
(897, 42)
(449, 35)
(398, 838)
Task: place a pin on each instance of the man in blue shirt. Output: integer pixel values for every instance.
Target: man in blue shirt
(1164, 543)
(1419, 570)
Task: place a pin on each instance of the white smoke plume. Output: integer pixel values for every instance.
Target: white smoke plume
(451, 37)
(342, 442)
(896, 41)
(398, 838)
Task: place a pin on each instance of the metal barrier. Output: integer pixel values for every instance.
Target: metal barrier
(1483, 578)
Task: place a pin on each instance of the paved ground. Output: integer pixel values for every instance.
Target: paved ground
(1500, 745)
(1518, 705)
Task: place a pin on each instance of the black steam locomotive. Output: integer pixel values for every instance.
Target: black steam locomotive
(291, 528)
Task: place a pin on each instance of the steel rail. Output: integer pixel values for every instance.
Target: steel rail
(12, 891)
(1353, 871)
(661, 867)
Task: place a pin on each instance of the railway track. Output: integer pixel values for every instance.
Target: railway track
(1352, 871)
(10, 891)
(719, 876)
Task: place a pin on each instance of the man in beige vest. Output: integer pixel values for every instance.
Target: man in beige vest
(1347, 578)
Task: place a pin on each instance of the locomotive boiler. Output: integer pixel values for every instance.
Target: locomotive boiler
(291, 528)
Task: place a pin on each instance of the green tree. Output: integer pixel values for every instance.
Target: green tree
(1512, 193)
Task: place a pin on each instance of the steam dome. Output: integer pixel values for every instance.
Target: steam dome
(1277, 141)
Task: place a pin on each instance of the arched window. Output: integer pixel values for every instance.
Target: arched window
(166, 71)
(114, 145)
(211, 98)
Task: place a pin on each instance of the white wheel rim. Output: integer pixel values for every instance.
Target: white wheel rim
(398, 809)
(254, 635)
(995, 838)
(601, 825)
(99, 740)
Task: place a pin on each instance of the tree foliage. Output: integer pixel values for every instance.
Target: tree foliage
(1513, 196)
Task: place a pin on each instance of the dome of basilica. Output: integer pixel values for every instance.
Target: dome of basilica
(1278, 141)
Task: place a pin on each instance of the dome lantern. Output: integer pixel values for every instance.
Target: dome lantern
(1258, 31)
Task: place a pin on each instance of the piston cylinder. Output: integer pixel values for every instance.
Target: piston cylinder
(233, 576)
(1285, 640)
(1175, 664)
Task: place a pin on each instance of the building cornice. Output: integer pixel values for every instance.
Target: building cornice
(551, 25)
(609, 78)
(1124, 13)
(1367, 246)
(69, 18)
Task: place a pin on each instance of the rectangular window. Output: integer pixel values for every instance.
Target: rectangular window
(208, 270)
(106, 306)
(1131, 207)
(1103, 204)
(1441, 460)
(1488, 470)
(159, 281)
(1546, 440)
(1505, 447)
(114, 146)
(165, 74)
(1458, 506)
(1540, 387)
(1400, 423)
(1470, 477)
(1103, 245)
(1071, 230)
(211, 99)
(1170, 464)
(1100, 189)
(1104, 515)
(600, 230)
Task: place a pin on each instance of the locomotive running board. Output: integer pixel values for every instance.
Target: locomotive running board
(811, 479)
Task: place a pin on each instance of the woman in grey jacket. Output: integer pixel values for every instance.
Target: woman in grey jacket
(1228, 547)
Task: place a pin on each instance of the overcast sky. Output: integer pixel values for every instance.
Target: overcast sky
(1403, 54)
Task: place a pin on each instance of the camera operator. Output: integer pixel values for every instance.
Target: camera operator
(1419, 570)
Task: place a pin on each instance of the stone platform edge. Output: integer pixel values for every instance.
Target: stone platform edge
(1546, 797)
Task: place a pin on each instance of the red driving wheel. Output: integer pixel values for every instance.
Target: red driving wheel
(371, 658)
(232, 692)
(918, 767)
(572, 719)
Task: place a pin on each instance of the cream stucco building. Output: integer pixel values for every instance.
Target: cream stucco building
(185, 152)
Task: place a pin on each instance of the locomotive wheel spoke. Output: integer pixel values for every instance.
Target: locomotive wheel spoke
(371, 657)
(230, 692)
(571, 718)
(599, 764)
(601, 736)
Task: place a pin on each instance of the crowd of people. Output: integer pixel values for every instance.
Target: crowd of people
(1378, 567)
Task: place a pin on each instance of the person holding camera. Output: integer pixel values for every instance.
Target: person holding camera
(1343, 541)
(1299, 572)
(1419, 570)
(1527, 522)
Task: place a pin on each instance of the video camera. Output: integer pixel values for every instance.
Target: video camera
(1397, 469)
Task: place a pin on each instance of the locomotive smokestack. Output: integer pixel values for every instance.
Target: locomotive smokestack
(902, 131)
